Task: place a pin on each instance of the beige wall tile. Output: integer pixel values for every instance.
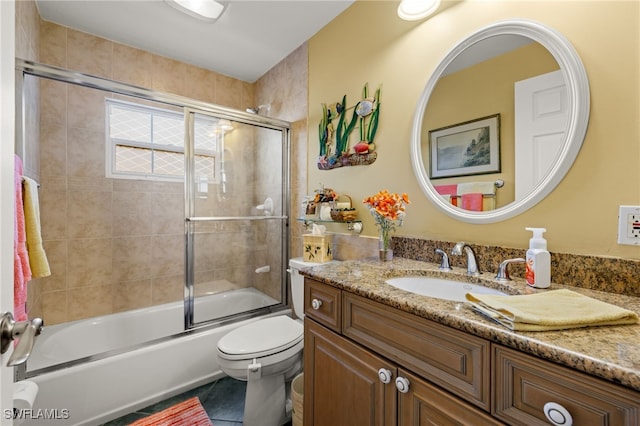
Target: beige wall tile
(86, 152)
(54, 307)
(167, 289)
(229, 92)
(131, 258)
(53, 103)
(90, 301)
(53, 211)
(53, 148)
(129, 295)
(131, 213)
(200, 84)
(89, 262)
(53, 44)
(167, 75)
(167, 255)
(89, 54)
(86, 108)
(57, 257)
(132, 65)
(90, 214)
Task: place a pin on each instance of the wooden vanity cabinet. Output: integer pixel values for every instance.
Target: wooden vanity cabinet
(341, 384)
(348, 384)
(452, 378)
(524, 384)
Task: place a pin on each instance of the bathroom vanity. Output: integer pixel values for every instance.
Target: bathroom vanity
(377, 355)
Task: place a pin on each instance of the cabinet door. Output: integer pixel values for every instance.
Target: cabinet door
(341, 383)
(425, 404)
(525, 387)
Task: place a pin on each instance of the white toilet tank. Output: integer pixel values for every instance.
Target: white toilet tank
(297, 283)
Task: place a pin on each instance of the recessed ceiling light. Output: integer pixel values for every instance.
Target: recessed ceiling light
(412, 10)
(206, 10)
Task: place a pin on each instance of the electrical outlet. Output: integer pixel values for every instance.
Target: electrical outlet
(629, 225)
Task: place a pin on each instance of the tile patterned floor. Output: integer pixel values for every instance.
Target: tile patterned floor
(223, 400)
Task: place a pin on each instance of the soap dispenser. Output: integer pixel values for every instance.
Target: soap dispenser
(538, 260)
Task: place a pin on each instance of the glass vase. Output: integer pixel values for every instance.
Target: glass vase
(384, 245)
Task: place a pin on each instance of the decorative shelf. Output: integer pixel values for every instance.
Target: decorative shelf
(354, 226)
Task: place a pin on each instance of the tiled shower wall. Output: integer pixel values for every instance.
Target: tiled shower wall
(113, 244)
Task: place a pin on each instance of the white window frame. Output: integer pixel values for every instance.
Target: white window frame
(112, 143)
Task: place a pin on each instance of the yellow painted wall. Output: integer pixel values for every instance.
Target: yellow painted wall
(369, 43)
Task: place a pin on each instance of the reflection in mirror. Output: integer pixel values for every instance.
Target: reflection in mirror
(478, 83)
(529, 80)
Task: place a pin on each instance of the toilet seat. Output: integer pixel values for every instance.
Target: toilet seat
(261, 338)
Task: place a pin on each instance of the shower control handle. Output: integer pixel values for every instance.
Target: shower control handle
(24, 331)
(316, 304)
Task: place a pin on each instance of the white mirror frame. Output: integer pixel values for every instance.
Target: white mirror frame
(574, 74)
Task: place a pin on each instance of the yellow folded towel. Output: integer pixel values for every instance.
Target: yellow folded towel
(37, 256)
(551, 310)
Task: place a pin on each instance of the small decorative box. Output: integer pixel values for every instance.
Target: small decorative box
(317, 248)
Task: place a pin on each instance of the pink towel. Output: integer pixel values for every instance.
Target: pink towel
(472, 201)
(451, 190)
(21, 269)
(447, 189)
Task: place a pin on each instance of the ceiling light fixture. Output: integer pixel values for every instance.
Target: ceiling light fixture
(413, 10)
(206, 10)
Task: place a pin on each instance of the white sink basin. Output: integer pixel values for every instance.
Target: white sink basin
(440, 288)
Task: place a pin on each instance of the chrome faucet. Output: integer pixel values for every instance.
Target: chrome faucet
(444, 264)
(472, 265)
(503, 269)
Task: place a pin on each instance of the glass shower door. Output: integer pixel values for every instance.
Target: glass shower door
(236, 224)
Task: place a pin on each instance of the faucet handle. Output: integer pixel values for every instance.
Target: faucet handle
(503, 269)
(444, 264)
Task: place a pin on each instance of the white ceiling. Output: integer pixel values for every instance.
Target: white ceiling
(245, 42)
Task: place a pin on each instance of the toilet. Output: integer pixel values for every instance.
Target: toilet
(267, 354)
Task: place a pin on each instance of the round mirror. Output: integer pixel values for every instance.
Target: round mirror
(500, 121)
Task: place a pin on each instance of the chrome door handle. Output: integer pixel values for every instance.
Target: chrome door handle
(24, 331)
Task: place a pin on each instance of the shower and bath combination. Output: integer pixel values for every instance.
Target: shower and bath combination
(148, 245)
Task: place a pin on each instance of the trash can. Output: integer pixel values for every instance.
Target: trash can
(297, 396)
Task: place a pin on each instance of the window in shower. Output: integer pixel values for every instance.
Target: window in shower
(146, 142)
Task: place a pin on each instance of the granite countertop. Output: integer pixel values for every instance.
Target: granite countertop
(610, 352)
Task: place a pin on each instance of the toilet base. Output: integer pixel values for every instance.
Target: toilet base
(264, 403)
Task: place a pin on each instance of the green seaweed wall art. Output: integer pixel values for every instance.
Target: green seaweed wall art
(335, 149)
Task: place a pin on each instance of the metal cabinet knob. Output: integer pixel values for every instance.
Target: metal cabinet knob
(402, 383)
(315, 304)
(384, 375)
(557, 414)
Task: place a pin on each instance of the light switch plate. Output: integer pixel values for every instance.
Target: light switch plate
(629, 225)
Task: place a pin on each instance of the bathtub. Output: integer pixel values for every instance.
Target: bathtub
(102, 389)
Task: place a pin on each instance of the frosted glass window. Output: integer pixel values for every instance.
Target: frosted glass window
(146, 142)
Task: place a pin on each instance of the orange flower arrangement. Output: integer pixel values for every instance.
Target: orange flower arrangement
(388, 210)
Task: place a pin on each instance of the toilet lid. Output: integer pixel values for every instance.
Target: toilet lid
(262, 337)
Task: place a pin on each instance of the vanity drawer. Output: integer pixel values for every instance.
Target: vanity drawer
(322, 303)
(447, 357)
(524, 384)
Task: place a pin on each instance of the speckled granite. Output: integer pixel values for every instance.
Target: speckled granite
(611, 353)
(613, 275)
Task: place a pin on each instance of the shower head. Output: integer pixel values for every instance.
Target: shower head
(264, 108)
